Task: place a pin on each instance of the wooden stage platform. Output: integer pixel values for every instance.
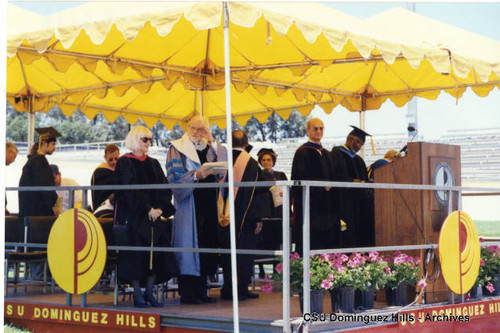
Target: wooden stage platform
(49, 313)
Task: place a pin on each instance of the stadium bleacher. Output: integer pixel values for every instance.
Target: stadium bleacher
(480, 151)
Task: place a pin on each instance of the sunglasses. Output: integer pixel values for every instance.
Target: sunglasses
(147, 139)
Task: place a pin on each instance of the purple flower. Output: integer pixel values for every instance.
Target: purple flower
(340, 269)
(324, 257)
(493, 248)
(387, 270)
(422, 283)
(416, 260)
(267, 288)
(326, 284)
(490, 287)
(279, 268)
(294, 256)
(343, 257)
(358, 259)
(352, 264)
(399, 260)
(373, 256)
(481, 262)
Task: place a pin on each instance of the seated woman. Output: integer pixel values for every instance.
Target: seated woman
(271, 236)
(143, 212)
(103, 175)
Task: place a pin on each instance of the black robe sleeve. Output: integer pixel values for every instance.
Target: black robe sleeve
(163, 197)
(135, 200)
(37, 172)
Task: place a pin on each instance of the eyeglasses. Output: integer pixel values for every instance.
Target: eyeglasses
(147, 139)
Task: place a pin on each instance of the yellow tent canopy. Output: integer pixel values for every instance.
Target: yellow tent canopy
(466, 50)
(164, 61)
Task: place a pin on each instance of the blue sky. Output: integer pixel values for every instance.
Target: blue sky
(434, 117)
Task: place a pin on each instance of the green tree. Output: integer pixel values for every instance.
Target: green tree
(294, 126)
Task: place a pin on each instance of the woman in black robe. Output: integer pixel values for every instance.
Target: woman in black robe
(143, 212)
(271, 235)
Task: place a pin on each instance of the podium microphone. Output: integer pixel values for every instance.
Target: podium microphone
(403, 150)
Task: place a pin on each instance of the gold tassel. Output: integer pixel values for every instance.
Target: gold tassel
(151, 253)
(374, 151)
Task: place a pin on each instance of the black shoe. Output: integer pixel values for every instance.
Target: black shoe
(208, 300)
(139, 302)
(252, 295)
(241, 297)
(190, 300)
(152, 300)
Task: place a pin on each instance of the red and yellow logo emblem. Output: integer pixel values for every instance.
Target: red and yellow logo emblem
(459, 252)
(76, 251)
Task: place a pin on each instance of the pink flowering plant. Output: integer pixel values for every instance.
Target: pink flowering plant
(320, 276)
(346, 271)
(489, 266)
(374, 269)
(401, 268)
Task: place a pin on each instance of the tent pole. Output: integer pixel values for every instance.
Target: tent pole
(412, 113)
(362, 126)
(31, 124)
(232, 228)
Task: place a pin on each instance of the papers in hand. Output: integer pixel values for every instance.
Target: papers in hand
(215, 167)
(277, 193)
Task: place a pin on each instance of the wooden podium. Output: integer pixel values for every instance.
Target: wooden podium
(410, 217)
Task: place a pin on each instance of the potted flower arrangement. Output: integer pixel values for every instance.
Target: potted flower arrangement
(489, 270)
(374, 269)
(401, 271)
(348, 275)
(320, 279)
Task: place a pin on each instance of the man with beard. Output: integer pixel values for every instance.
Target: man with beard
(195, 220)
(355, 205)
(313, 162)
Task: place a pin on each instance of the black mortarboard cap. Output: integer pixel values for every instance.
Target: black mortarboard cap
(47, 134)
(359, 133)
(264, 151)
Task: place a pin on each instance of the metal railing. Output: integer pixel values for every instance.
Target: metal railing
(286, 249)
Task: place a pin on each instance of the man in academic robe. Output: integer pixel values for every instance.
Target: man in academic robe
(250, 206)
(104, 175)
(37, 172)
(195, 220)
(313, 162)
(356, 205)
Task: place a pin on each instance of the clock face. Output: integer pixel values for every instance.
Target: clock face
(443, 176)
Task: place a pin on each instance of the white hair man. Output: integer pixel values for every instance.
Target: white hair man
(196, 219)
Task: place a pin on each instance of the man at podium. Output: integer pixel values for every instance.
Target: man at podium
(355, 206)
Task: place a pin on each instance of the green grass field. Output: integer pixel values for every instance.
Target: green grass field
(488, 228)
